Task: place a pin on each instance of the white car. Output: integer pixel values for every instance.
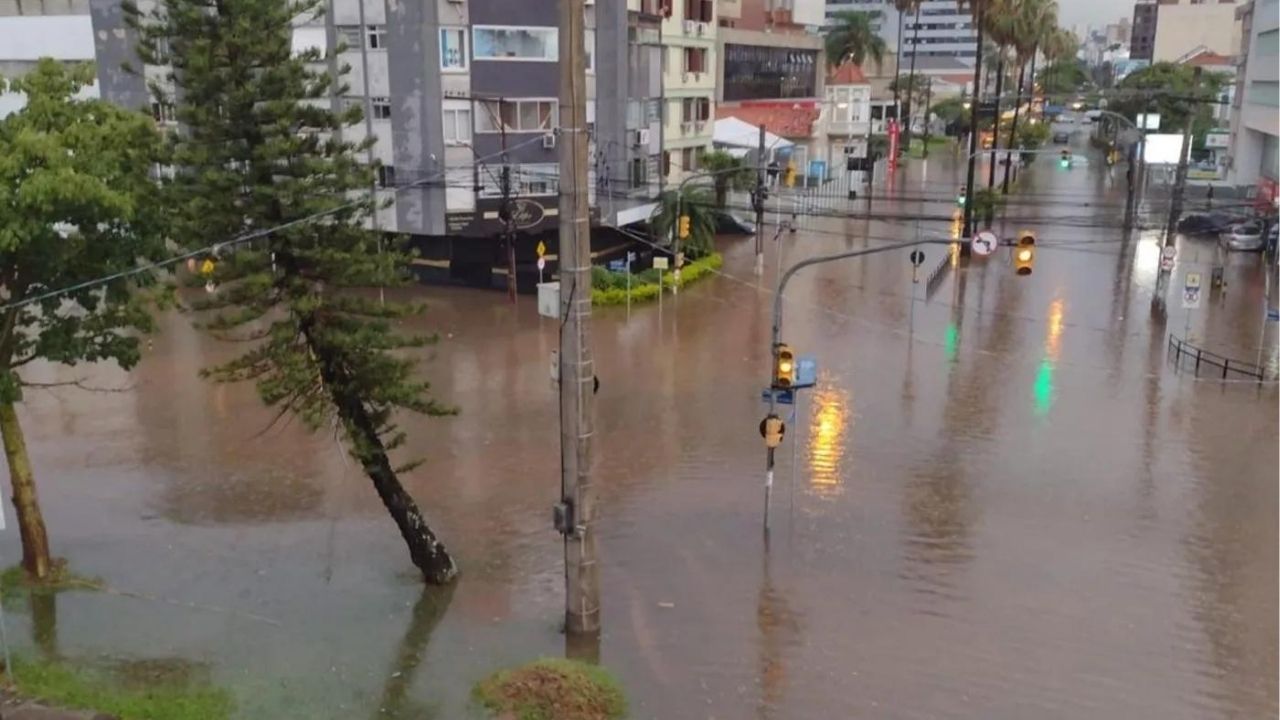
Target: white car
(1243, 236)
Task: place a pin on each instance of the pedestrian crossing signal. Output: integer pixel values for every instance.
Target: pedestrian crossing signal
(1024, 253)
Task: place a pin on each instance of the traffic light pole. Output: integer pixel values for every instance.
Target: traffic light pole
(775, 337)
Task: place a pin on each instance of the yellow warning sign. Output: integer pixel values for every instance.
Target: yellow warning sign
(206, 267)
(542, 248)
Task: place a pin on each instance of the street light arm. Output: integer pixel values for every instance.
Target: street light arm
(791, 271)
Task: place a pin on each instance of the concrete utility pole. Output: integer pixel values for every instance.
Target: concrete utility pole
(1180, 180)
(973, 130)
(758, 202)
(577, 373)
(504, 213)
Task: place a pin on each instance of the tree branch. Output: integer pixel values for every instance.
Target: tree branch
(76, 384)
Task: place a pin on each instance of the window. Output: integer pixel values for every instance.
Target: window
(386, 176)
(349, 36)
(695, 60)
(377, 35)
(755, 72)
(590, 44)
(453, 49)
(638, 174)
(457, 123)
(381, 108)
(161, 50)
(699, 10)
(515, 43)
(695, 109)
(164, 113)
(516, 116)
(689, 159)
(526, 180)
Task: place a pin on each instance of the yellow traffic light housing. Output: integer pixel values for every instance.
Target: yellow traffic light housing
(789, 177)
(784, 367)
(684, 227)
(1024, 253)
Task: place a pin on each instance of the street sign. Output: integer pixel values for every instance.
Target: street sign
(614, 265)
(1148, 121)
(631, 257)
(542, 263)
(784, 397)
(806, 373)
(917, 258)
(660, 263)
(1191, 291)
(1167, 256)
(541, 249)
(984, 243)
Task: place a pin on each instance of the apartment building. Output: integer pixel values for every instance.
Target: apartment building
(1142, 38)
(1255, 118)
(1186, 25)
(690, 58)
(454, 91)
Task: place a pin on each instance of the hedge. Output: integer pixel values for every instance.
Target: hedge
(642, 291)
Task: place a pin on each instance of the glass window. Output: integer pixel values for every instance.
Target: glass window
(381, 108)
(453, 49)
(457, 122)
(349, 36)
(386, 176)
(590, 45)
(515, 43)
(516, 116)
(164, 113)
(377, 35)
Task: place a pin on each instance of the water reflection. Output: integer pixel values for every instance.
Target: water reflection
(1043, 389)
(828, 437)
(395, 702)
(779, 627)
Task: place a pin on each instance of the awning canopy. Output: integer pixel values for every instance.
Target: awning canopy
(734, 133)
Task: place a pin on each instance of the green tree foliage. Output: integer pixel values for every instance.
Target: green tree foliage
(952, 112)
(851, 38)
(1170, 90)
(695, 202)
(912, 89)
(78, 204)
(1064, 77)
(726, 171)
(261, 148)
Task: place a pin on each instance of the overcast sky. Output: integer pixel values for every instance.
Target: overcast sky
(1092, 12)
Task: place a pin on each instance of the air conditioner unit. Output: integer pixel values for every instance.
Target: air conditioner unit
(549, 141)
(690, 27)
(642, 136)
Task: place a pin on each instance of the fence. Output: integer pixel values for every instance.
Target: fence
(1180, 349)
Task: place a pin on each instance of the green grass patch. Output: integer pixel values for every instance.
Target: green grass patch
(164, 698)
(553, 689)
(609, 288)
(16, 585)
(935, 143)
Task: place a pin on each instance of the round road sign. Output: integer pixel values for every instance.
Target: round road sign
(984, 243)
(917, 258)
(542, 263)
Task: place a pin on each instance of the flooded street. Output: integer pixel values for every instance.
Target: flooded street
(1000, 501)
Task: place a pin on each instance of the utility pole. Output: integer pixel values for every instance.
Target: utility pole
(1132, 174)
(504, 211)
(758, 202)
(995, 123)
(973, 131)
(1180, 180)
(928, 108)
(577, 372)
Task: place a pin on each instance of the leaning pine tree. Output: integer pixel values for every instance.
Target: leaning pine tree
(260, 154)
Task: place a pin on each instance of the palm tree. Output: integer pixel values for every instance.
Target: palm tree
(903, 6)
(851, 38)
(915, 51)
(726, 172)
(1037, 19)
(1002, 26)
(697, 203)
(978, 9)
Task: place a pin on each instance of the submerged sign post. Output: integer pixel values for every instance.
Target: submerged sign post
(1191, 291)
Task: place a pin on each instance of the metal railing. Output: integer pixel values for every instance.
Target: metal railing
(1180, 349)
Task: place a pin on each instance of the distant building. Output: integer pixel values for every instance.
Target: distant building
(1185, 25)
(1255, 117)
(1142, 39)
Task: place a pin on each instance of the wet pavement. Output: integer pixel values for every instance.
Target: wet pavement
(1000, 501)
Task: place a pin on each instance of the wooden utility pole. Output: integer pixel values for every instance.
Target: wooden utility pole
(577, 374)
(1180, 180)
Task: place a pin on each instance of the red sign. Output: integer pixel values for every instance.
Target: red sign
(893, 143)
(1265, 200)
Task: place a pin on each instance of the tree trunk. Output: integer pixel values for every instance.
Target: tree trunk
(995, 123)
(722, 193)
(426, 551)
(35, 539)
(911, 81)
(1013, 130)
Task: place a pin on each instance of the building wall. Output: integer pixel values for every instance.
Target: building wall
(1143, 37)
(683, 138)
(1184, 27)
(1255, 122)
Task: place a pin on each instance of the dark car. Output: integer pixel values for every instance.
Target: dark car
(1207, 223)
(727, 224)
(1062, 137)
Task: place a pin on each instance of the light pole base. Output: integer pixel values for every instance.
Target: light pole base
(759, 263)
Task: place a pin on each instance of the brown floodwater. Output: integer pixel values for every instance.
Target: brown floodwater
(1001, 500)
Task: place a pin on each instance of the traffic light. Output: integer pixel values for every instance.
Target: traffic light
(1064, 159)
(684, 227)
(772, 429)
(784, 367)
(1024, 252)
(960, 197)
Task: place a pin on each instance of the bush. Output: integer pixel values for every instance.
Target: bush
(552, 689)
(644, 286)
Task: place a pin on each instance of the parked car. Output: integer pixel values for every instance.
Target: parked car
(1207, 223)
(727, 224)
(1062, 137)
(1245, 236)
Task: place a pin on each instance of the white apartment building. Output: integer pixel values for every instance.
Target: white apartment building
(689, 85)
(1255, 118)
(1184, 25)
